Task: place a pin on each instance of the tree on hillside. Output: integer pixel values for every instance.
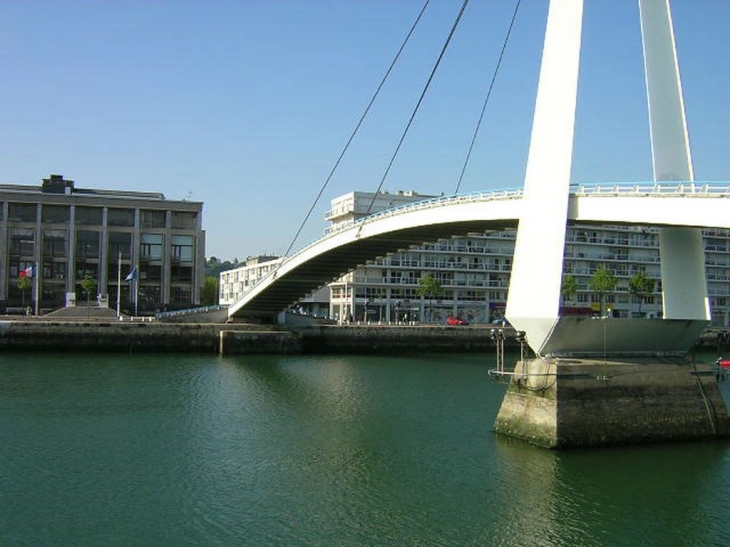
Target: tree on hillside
(641, 286)
(214, 266)
(602, 282)
(428, 287)
(568, 288)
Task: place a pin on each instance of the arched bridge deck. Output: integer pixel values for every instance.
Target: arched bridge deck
(378, 235)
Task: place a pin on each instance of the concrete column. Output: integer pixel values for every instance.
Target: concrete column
(4, 269)
(103, 276)
(681, 249)
(538, 256)
(166, 262)
(71, 254)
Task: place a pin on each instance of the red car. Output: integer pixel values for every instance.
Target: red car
(451, 320)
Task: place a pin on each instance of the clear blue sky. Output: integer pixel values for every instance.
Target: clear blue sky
(245, 105)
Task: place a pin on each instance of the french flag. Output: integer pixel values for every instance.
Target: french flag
(28, 272)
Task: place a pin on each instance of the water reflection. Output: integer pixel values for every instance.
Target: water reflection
(199, 450)
(673, 494)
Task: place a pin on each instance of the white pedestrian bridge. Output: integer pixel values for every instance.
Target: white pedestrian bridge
(347, 246)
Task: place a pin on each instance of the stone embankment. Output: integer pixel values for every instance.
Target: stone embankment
(151, 336)
(104, 335)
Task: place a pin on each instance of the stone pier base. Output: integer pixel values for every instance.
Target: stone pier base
(563, 403)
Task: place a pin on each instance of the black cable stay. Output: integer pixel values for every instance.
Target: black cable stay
(357, 127)
(415, 110)
(417, 107)
(489, 94)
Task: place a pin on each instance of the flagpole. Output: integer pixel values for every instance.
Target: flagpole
(37, 288)
(136, 288)
(119, 285)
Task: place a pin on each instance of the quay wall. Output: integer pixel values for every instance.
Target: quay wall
(128, 336)
(138, 336)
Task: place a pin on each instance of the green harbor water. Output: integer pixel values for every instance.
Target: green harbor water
(178, 450)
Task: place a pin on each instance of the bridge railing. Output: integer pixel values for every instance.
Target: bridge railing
(604, 189)
(662, 188)
(440, 201)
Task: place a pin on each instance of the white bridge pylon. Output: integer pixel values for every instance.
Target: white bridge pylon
(534, 293)
(548, 203)
(665, 204)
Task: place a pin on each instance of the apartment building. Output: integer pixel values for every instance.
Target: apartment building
(237, 281)
(474, 271)
(60, 234)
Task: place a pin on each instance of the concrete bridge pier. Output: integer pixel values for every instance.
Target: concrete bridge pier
(565, 402)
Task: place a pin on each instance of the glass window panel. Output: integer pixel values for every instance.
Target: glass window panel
(120, 217)
(88, 216)
(120, 242)
(183, 220)
(56, 214)
(22, 212)
(151, 218)
(87, 244)
(151, 246)
(54, 243)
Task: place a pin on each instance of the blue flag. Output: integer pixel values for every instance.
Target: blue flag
(132, 275)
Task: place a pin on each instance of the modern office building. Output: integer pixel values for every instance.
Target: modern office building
(474, 271)
(60, 234)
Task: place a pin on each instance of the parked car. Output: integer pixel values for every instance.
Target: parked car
(451, 320)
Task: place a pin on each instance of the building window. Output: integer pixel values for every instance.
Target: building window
(152, 218)
(149, 298)
(22, 212)
(55, 214)
(182, 248)
(151, 246)
(54, 243)
(87, 244)
(22, 242)
(180, 295)
(88, 216)
(183, 220)
(82, 270)
(151, 273)
(54, 270)
(120, 242)
(181, 274)
(120, 217)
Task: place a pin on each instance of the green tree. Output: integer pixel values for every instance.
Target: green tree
(88, 283)
(641, 286)
(23, 285)
(428, 287)
(602, 282)
(568, 288)
(214, 266)
(209, 292)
